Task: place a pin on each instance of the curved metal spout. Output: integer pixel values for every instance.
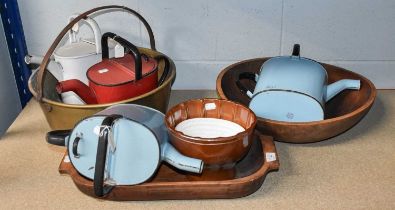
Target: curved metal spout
(337, 87)
(174, 158)
(53, 67)
(78, 87)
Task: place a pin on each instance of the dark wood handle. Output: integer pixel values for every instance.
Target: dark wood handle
(41, 72)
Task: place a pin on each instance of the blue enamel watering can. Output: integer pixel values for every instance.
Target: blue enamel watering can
(293, 89)
(121, 145)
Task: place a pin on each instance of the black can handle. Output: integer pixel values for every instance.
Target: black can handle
(57, 137)
(245, 75)
(296, 50)
(75, 147)
(98, 180)
(126, 44)
(165, 69)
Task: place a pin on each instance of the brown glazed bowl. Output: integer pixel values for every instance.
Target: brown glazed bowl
(213, 151)
(341, 113)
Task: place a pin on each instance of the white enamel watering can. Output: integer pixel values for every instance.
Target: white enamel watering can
(292, 89)
(72, 60)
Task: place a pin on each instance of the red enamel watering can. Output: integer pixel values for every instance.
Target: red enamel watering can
(116, 79)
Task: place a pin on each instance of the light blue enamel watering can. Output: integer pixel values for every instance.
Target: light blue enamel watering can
(293, 89)
(121, 145)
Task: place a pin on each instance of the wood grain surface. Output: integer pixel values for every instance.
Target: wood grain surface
(170, 183)
(341, 113)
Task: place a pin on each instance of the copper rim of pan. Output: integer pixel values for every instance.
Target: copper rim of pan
(360, 109)
(207, 141)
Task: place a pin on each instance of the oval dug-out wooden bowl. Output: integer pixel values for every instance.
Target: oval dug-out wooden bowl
(341, 113)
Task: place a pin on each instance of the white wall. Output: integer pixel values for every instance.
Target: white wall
(10, 105)
(204, 36)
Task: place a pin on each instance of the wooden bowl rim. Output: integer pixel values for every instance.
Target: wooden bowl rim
(359, 110)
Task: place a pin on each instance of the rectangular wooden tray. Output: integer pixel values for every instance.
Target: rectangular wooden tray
(170, 183)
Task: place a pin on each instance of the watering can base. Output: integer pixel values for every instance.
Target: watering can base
(71, 98)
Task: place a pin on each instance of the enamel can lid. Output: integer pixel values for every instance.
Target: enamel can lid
(117, 71)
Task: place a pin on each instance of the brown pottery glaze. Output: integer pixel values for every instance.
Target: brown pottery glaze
(217, 151)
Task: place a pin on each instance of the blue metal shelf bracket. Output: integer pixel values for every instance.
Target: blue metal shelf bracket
(13, 30)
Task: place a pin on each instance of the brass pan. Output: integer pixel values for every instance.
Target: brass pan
(63, 116)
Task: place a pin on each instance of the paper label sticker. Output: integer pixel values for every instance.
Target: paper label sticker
(66, 159)
(119, 51)
(271, 156)
(101, 71)
(210, 106)
(96, 130)
(75, 27)
(111, 141)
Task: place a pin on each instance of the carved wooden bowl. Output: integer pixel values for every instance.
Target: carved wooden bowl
(341, 113)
